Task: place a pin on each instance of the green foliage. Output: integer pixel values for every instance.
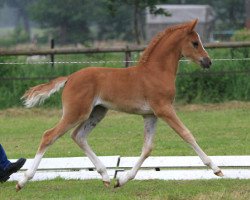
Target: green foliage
(241, 35)
(18, 36)
(85, 20)
(22, 13)
(225, 81)
(137, 8)
(108, 26)
(12, 89)
(141, 4)
(230, 14)
(69, 19)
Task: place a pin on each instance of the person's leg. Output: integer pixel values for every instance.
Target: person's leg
(6, 167)
(4, 162)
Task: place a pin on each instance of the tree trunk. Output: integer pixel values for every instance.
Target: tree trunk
(136, 24)
(247, 7)
(26, 24)
(63, 34)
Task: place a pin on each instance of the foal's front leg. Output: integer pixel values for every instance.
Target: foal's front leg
(167, 113)
(149, 131)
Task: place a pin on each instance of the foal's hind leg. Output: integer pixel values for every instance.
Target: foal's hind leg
(48, 139)
(167, 113)
(72, 116)
(149, 131)
(79, 135)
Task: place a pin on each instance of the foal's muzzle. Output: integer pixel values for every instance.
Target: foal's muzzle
(205, 62)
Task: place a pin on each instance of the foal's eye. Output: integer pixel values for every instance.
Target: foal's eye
(195, 44)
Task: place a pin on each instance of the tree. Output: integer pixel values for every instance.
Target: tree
(230, 14)
(110, 25)
(247, 7)
(22, 12)
(69, 19)
(138, 8)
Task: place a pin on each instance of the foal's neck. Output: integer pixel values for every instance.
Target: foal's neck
(164, 59)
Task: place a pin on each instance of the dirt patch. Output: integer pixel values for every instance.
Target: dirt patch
(216, 106)
(49, 112)
(238, 194)
(16, 112)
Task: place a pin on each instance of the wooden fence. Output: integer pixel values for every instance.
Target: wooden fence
(127, 50)
(60, 51)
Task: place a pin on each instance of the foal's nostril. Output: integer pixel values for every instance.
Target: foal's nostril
(206, 62)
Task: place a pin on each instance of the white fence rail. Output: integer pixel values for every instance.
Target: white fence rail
(164, 168)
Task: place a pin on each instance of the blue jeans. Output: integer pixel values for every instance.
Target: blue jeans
(4, 162)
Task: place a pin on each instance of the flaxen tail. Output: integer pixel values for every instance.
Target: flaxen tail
(37, 95)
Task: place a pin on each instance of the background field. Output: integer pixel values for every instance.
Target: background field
(220, 129)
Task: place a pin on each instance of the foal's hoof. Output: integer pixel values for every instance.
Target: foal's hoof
(106, 183)
(117, 184)
(18, 187)
(219, 173)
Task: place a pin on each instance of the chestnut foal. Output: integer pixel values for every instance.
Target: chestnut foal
(147, 89)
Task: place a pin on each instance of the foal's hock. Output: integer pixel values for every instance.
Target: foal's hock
(147, 89)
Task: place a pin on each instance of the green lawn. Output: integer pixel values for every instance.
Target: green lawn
(220, 129)
(143, 190)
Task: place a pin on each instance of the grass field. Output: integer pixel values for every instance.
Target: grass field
(220, 129)
(143, 190)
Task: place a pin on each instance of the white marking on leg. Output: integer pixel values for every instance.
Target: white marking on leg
(49, 137)
(149, 131)
(205, 159)
(80, 137)
(31, 171)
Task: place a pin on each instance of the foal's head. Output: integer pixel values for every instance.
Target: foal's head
(192, 48)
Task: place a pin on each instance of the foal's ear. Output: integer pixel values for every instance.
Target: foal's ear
(192, 25)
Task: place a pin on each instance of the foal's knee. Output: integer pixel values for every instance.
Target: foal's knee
(147, 150)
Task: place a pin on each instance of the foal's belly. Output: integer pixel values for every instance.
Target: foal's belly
(140, 108)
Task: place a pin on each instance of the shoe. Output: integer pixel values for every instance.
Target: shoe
(3, 176)
(12, 168)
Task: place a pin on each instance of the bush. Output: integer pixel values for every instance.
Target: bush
(241, 35)
(18, 36)
(225, 81)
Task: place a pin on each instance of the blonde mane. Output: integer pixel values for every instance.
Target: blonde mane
(157, 39)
